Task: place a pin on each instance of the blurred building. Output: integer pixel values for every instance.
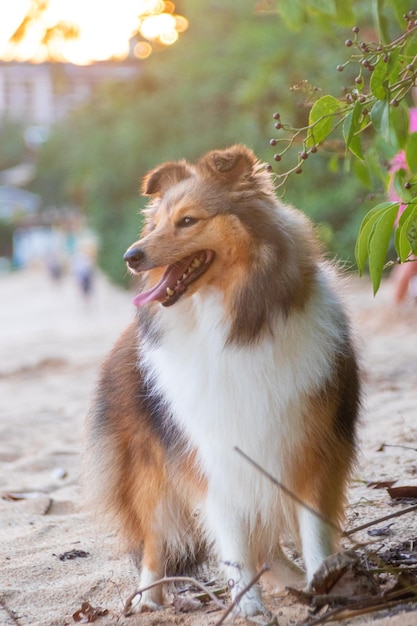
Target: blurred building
(42, 94)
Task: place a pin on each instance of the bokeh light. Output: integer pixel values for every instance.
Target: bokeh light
(81, 32)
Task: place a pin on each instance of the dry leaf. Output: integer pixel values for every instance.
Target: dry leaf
(380, 484)
(409, 491)
(72, 554)
(382, 531)
(88, 613)
(15, 496)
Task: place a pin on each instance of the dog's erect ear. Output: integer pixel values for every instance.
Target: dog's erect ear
(232, 164)
(157, 181)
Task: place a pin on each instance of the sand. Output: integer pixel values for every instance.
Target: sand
(52, 343)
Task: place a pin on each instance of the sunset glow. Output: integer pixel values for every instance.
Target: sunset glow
(93, 30)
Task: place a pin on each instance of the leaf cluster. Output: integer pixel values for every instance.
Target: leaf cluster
(371, 122)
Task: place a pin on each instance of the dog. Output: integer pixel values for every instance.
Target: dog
(240, 341)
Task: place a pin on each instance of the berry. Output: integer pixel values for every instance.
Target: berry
(268, 168)
(355, 29)
(277, 157)
(340, 68)
(276, 116)
(407, 185)
(303, 155)
(314, 149)
(278, 125)
(358, 80)
(348, 43)
(273, 142)
(394, 102)
(298, 171)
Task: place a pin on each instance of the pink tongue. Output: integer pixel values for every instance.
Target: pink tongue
(169, 279)
(156, 293)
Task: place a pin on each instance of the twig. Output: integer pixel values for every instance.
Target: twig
(286, 490)
(391, 445)
(410, 509)
(240, 595)
(171, 579)
(343, 613)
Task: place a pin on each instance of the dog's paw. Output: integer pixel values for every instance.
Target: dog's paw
(144, 603)
(249, 608)
(251, 604)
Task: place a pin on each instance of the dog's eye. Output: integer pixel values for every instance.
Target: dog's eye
(186, 221)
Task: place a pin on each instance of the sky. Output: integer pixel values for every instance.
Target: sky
(104, 27)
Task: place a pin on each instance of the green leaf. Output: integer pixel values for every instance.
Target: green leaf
(412, 233)
(365, 230)
(345, 14)
(399, 126)
(411, 152)
(379, 239)
(402, 244)
(381, 21)
(400, 7)
(411, 46)
(379, 82)
(362, 173)
(323, 6)
(352, 129)
(380, 118)
(292, 13)
(321, 119)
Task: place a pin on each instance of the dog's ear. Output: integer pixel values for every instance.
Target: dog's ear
(157, 181)
(231, 165)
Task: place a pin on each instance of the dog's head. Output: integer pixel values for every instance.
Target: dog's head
(198, 223)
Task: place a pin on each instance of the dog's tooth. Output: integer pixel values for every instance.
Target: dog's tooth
(170, 292)
(184, 275)
(196, 263)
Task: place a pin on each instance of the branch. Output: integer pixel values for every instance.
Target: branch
(171, 579)
(356, 529)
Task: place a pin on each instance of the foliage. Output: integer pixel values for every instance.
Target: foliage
(12, 143)
(217, 86)
(372, 121)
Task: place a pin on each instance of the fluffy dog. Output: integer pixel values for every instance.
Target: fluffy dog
(240, 340)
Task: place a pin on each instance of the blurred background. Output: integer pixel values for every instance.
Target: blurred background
(94, 94)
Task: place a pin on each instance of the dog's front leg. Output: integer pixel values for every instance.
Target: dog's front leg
(236, 558)
(317, 540)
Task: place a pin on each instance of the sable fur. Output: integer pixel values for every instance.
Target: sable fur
(252, 348)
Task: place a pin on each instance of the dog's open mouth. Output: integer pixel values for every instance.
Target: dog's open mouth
(176, 279)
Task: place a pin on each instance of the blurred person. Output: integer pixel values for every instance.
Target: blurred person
(83, 267)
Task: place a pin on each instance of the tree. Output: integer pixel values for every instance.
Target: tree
(219, 85)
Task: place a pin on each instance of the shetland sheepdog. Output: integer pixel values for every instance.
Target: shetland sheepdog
(240, 341)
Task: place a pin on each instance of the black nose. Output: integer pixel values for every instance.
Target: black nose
(134, 257)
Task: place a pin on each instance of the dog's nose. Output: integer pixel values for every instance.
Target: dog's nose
(134, 257)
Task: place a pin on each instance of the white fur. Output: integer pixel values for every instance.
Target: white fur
(251, 396)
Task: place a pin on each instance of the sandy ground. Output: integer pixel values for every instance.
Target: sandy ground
(51, 345)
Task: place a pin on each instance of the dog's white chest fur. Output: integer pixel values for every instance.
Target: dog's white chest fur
(223, 396)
